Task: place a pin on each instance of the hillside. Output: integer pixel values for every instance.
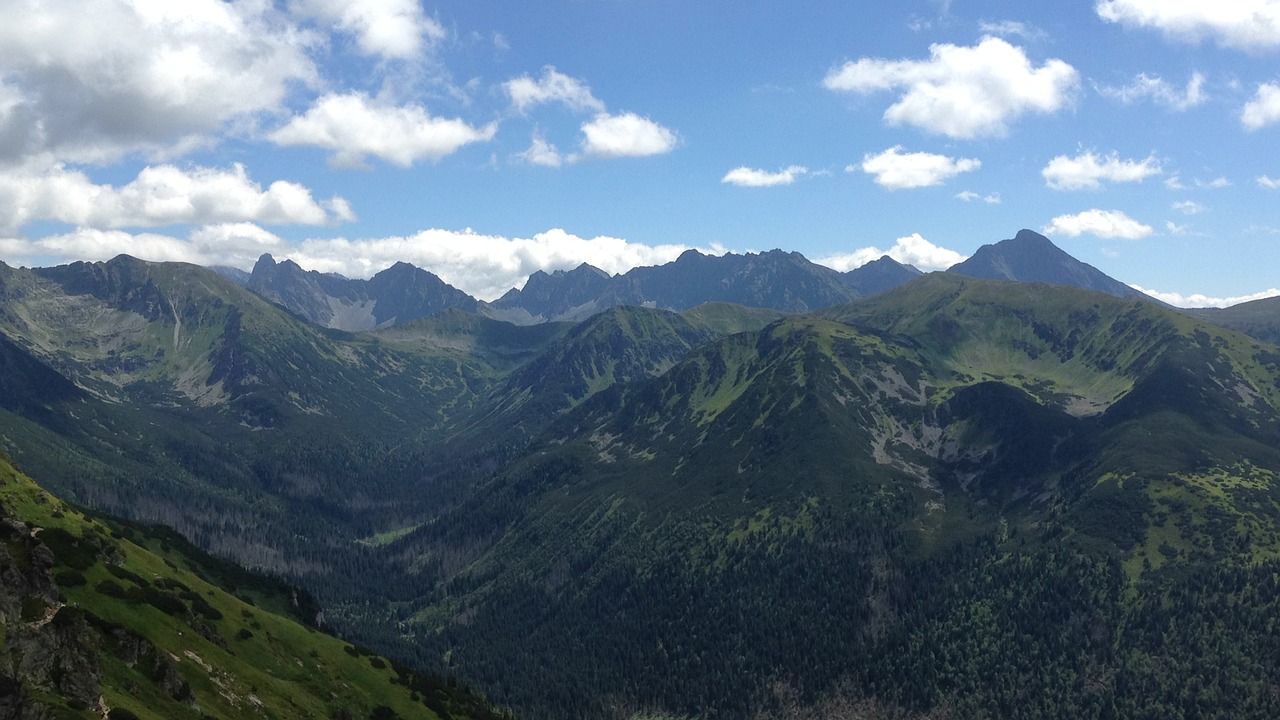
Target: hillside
(870, 480)
(1257, 318)
(100, 618)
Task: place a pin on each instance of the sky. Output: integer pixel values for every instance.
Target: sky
(485, 140)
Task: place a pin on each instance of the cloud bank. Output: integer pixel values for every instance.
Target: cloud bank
(160, 195)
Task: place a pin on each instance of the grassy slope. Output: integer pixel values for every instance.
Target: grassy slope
(234, 657)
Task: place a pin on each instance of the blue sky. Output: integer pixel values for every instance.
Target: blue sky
(484, 141)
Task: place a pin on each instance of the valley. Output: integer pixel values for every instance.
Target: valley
(725, 487)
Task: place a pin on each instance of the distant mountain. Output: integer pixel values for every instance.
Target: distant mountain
(1032, 257)
(398, 294)
(235, 275)
(775, 280)
(560, 295)
(880, 275)
(1258, 318)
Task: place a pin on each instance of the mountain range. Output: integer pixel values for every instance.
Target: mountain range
(726, 487)
(775, 280)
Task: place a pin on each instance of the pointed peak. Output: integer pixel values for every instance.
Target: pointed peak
(587, 268)
(1031, 236)
(265, 260)
(689, 255)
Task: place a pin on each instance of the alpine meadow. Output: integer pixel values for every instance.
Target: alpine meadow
(635, 360)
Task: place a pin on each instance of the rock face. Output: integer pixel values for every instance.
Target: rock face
(398, 294)
(1032, 257)
(47, 647)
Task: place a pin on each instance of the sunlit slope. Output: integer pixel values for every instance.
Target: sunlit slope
(99, 618)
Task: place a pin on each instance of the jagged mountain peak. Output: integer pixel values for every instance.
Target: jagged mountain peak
(1032, 257)
(399, 293)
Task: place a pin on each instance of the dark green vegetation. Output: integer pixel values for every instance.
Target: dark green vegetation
(103, 618)
(958, 498)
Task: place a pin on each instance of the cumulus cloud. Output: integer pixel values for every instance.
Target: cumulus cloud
(354, 127)
(541, 152)
(970, 196)
(1087, 171)
(153, 77)
(910, 250)
(1195, 300)
(896, 170)
(962, 92)
(485, 266)
(625, 135)
(553, 86)
(160, 195)
(1188, 207)
(1159, 91)
(1241, 24)
(751, 177)
(1263, 109)
(1106, 224)
(387, 28)
(1268, 182)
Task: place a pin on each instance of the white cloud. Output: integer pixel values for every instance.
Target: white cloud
(910, 250)
(1216, 183)
(485, 266)
(1263, 109)
(970, 196)
(1174, 228)
(1174, 182)
(625, 135)
(751, 177)
(1158, 90)
(1106, 224)
(553, 86)
(962, 92)
(542, 153)
(1240, 24)
(896, 170)
(387, 28)
(1269, 183)
(1188, 207)
(92, 80)
(354, 127)
(1200, 300)
(1087, 171)
(1007, 28)
(160, 195)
